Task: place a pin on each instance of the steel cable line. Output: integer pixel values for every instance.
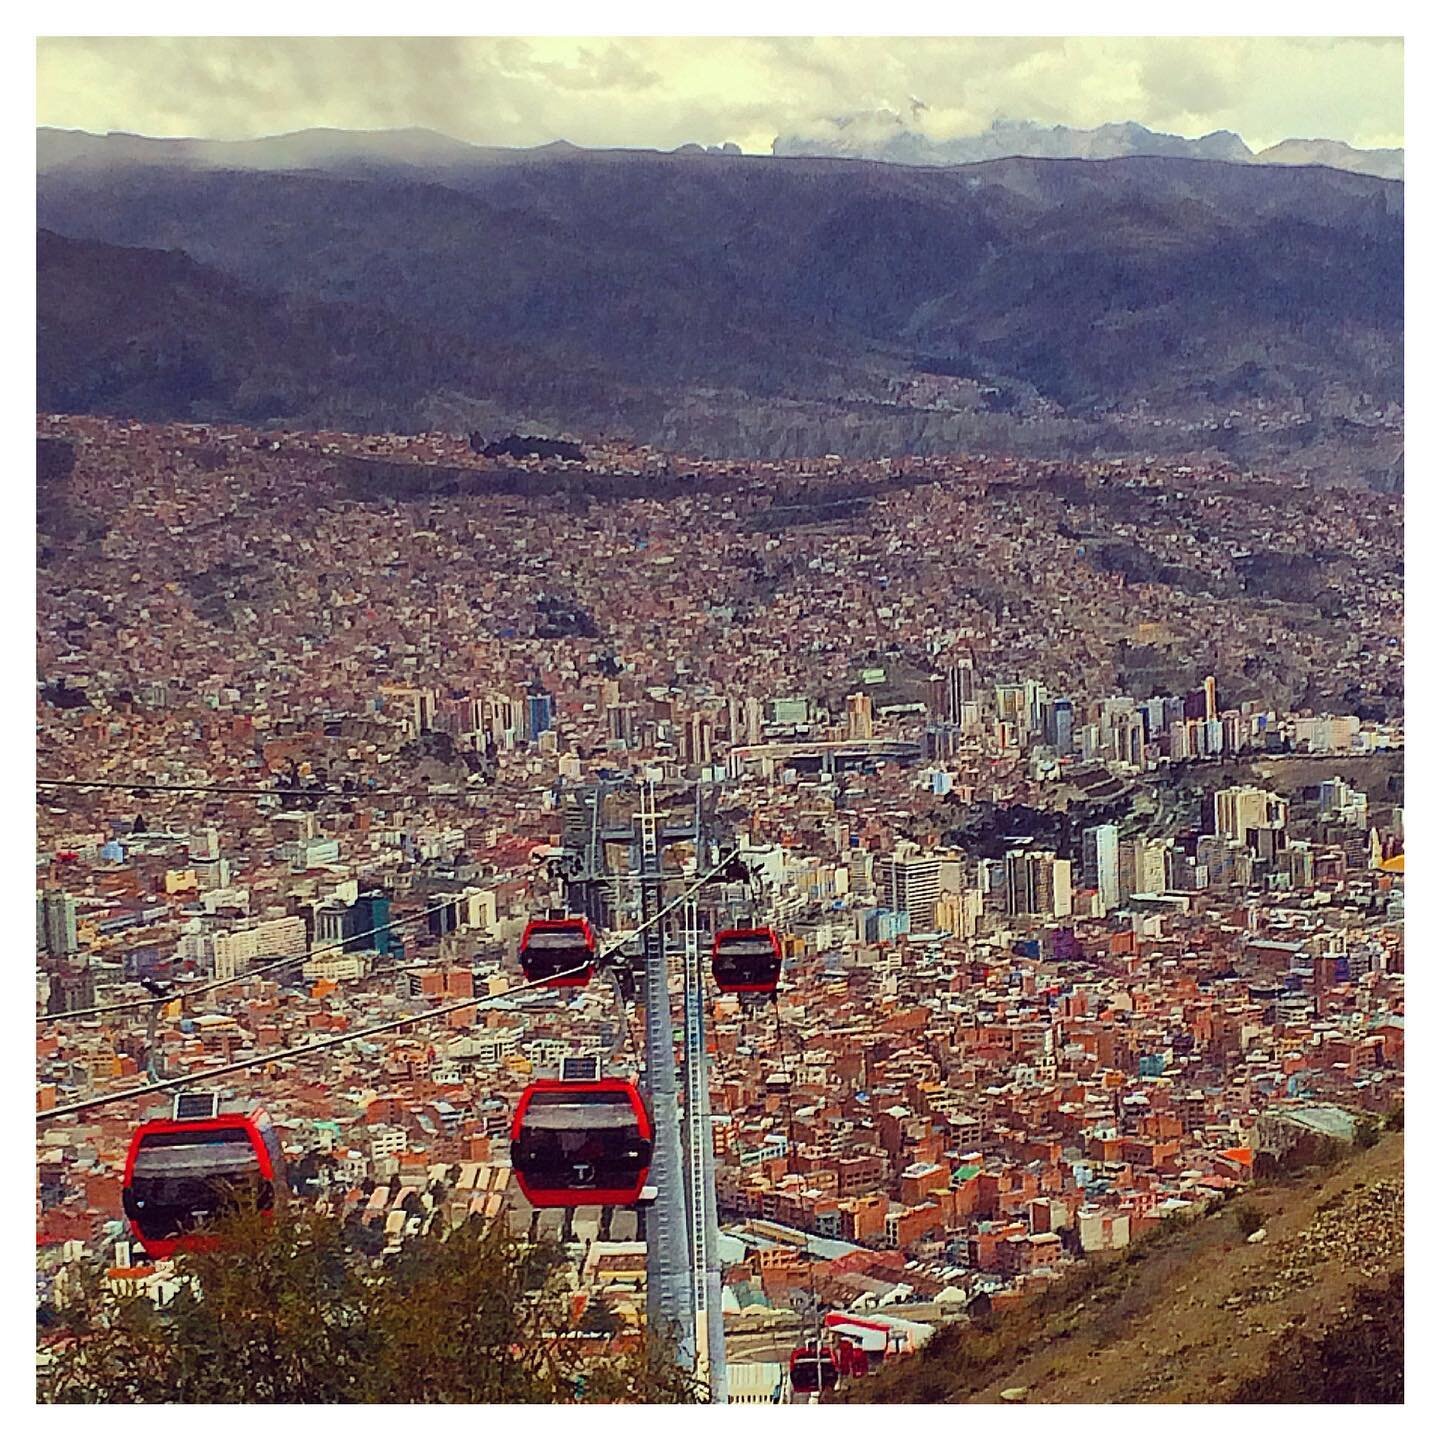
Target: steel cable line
(157, 1087)
(292, 1052)
(207, 986)
(210, 985)
(285, 791)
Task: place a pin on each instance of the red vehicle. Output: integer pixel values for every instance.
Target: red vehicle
(586, 1142)
(550, 950)
(180, 1173)
(812, 1368)
(851, 1360)
(746, 961)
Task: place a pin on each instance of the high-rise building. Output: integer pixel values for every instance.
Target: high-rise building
(942, 742)
(1100, 864)
(754, 720)
(1037, 883)
(370, 923)
(960, 689)
(620, 723)
(1037, 701)
(1010, 704)
(71, 988)
(58, 912)
(859, 717)
(498, 719)
(937, 698)
(1231, 732)
(1019, 895)
(1180, 741)
(695, 740)
(334, 924)
(1152, 712)
(1060, 725)
(539, 712)
(1152, 867)
(1243, 808)
(1051, 884)
(910, 881)
(861, 865)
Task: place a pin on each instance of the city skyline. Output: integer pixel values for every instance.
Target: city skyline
(759, 758)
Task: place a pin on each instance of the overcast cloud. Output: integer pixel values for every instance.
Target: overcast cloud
(666, 92)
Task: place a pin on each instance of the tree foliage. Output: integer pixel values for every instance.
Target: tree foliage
(287, 1311)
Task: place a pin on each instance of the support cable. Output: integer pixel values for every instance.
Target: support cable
(205, 987)
(296, 1051)
(288, 790)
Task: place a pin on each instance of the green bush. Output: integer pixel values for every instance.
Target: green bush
(286, 1311)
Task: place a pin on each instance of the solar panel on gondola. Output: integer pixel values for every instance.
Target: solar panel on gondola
(558, 952)
(746, 961)
(180, 1174)
(581, 1143)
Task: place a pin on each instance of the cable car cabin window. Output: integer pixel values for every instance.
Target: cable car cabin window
(580, 1142)
(551, 949)
(181, 1179)
(810, 1372)
(746, 960)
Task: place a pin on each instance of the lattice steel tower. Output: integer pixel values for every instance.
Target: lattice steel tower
(681, 1229)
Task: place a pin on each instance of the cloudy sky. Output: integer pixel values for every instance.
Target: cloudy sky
(666, 92)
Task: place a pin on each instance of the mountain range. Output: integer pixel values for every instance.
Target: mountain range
(886, 135)
(722, 303)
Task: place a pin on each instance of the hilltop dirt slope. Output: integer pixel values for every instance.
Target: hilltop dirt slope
(1202, 1316)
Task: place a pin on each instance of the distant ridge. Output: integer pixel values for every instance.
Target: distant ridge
(1389, 164)
(749, 305)
(298, 150)
(869, 135)
(885, 135)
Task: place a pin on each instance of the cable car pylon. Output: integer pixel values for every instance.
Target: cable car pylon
(667, 1232)
(700, 1174)
(681, 1230)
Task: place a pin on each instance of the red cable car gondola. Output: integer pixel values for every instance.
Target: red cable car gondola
(583, 1142)
(852, 1360)
(550, 949)
(746, 961)
(180, 1173)
(812, 1368)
